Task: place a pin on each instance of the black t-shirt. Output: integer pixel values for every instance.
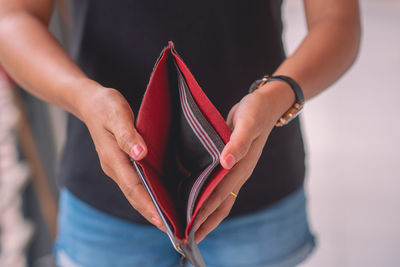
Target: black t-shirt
(226, 45)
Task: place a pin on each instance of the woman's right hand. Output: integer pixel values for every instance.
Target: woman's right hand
(110, 121)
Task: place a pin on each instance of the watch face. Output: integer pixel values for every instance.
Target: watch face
(292, 113)
(293, 116)
(297, 113)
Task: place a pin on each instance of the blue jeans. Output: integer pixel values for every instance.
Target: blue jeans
(277, 236)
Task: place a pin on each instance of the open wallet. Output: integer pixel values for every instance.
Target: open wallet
(185, 135)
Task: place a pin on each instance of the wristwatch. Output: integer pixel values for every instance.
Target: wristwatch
(295, 109)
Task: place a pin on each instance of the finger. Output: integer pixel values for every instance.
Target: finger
(123, 128)
(130, 141)
(234, 179)
(217, 197)
(229, 119)
(214, 219)
(239, 143)
(119, 166)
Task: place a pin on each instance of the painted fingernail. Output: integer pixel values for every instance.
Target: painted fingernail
(137, 150)
(230, 161)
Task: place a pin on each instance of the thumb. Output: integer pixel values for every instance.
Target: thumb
(238, 145)
(131, 142)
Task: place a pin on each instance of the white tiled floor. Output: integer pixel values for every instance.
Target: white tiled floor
(352, 132)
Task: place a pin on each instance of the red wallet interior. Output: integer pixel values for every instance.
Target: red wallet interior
(177, 150)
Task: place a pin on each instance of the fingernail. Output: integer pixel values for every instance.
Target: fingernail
(230, 161)
(137, 151)
(156, 221)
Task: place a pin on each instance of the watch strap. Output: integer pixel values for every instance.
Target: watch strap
(295, 109)
(292, 83)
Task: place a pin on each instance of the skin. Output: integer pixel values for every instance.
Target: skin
(35, 60)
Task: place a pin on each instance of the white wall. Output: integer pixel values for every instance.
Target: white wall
(352, 131)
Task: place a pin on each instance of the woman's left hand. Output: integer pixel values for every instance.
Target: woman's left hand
(252, 119)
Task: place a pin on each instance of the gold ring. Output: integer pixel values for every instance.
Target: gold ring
(233, 194)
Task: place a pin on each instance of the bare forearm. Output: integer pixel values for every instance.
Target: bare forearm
(327, 51)
(38, 63)
(325, 54)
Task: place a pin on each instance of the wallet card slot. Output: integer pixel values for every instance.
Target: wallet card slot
(211, 141)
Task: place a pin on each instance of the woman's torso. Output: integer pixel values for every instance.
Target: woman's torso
(225, 44)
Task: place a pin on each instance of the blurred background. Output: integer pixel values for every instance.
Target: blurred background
(351, 134)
